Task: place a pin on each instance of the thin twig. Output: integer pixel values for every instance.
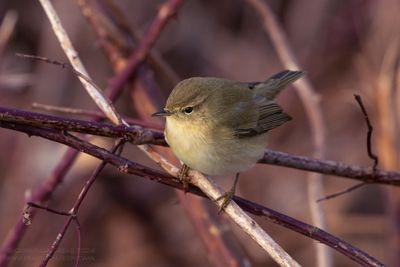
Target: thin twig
(79, 240)
(66, 110)
(126, 166)
(101, 100)
(96, 92)
(311, 104)
(38, 206)
(92, 113)
(369, 150)
(369, 133)
(62, 213)
(348, 190)
(73, 212)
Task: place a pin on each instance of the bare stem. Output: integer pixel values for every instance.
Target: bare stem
(369, 133)
(101, 100)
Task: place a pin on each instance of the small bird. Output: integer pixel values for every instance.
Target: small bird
(217, 126)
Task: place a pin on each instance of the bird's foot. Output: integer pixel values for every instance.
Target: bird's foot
(226, 199)
(227, 196)
(183, 176)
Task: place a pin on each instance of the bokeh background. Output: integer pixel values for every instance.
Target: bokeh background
(346, 47)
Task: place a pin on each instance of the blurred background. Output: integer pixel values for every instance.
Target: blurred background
(346, 47)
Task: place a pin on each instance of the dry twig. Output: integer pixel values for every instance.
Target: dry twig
(102, 101)
(369, 150)
(369, 133)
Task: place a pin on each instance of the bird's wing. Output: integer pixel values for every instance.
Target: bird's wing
(270, 116)
(253, 113)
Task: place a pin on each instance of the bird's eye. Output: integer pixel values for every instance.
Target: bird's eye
(188, 110)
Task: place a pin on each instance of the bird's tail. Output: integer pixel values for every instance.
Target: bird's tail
(274, 85)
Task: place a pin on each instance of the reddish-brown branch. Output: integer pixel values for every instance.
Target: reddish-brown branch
(133, 134)
(140, 135)
(128, 166)
(166, 11)
(330, 167)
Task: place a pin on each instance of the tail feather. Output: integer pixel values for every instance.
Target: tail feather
(274, 85)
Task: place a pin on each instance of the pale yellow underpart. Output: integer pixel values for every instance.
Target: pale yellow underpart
(212, 156)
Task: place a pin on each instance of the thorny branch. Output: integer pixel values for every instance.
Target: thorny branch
(139, 135)
(127, 166)
(133, 134)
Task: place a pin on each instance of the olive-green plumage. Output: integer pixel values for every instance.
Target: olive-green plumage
(219, 126)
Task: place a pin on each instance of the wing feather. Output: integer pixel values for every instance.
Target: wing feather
(271, 116)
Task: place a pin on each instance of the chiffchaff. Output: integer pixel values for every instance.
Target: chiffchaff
(218, 126)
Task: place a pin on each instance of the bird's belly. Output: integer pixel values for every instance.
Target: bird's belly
(212, 157)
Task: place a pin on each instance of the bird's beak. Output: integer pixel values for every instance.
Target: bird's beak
(161, 114)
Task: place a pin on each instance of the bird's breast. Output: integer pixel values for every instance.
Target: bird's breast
(186, 139)
(209, 151)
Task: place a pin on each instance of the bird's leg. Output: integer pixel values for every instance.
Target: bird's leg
(183, 176)
(227, 196)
